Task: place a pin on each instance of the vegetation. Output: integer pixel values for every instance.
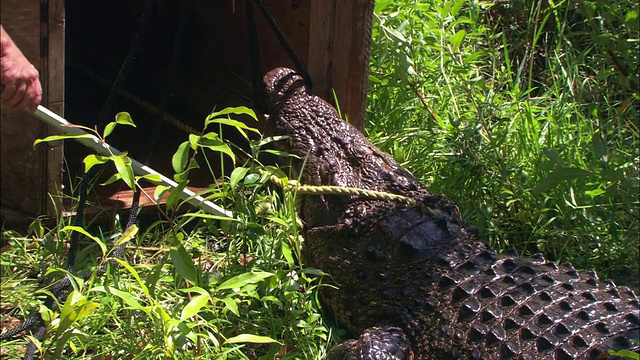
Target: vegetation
(524, 112)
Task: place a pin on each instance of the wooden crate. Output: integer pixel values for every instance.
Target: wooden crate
(211, 68)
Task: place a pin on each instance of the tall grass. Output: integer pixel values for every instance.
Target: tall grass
(525, 113)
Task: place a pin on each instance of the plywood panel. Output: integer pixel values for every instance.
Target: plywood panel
(340, 44)
(24, 171)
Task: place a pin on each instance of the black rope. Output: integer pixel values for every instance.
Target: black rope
(58, 290)
(283, 41)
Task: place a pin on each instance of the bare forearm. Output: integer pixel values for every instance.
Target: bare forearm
(19, 78)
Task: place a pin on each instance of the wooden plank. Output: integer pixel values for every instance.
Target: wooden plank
(22, 167)
(54, 58)
(351, 50)
(321, 26)
(28, 175)
(339, 49)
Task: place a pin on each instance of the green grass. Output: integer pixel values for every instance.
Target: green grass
(525, 113)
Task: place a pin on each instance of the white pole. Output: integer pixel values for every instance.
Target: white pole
(105, 149)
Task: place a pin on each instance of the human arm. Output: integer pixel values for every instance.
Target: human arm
(19, 79)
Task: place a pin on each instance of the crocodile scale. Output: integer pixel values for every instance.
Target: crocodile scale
(414, 281)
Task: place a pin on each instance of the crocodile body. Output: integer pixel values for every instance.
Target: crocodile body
(413, 281)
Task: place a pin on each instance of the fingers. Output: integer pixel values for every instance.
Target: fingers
(36, 96)
(23, 94)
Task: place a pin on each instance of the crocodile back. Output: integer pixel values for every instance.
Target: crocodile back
(503, 306)
(428, 274)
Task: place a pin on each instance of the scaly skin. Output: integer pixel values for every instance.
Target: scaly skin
(414, 281)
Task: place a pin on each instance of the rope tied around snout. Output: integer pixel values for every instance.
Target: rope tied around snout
(296, 187)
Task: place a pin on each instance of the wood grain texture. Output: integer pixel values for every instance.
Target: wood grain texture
(21, 167)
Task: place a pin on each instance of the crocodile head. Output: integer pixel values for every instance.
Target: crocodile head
(335, 152)
(330, 150)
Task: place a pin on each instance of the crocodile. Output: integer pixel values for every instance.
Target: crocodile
(412, 279)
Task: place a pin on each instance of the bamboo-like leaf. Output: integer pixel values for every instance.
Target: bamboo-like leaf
(194, 306)
(457, 39)
(159, 191)
(125, 296)
(230, 304)
(134, 273)
(154, 178)
(212, 142)
(183, 263)
(240, 110)
(113, 178)
(103, 246)
(243, 279)
(559, 175)
(64, 137)
(128, 234)
(249, 338)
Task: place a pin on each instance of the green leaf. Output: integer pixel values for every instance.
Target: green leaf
(180, 158)
(287, 253)
(183, 263)
(194, 306)
(209, 216)
(559, 175)
(595, 192)
(243, 279)
(240, 110)
(75, 308)
(128, 234)
(124, 118)
(174, 194)
(160, 190)
(625, 354)
(212, 142)
(64, 137)
(133, 273)
(123, 166)
(244, 338)
(457, 39)
(236, 175)
(108, 129)
(84, 232)
(599, 148)
(194, 140)
(381, 5)
(92, 160)
(154, 178)
(113, 178)
(125, 296)
(230, 304)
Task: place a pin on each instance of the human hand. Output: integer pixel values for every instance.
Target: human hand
(20, 80)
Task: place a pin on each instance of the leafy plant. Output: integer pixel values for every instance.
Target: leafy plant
(192, 284)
